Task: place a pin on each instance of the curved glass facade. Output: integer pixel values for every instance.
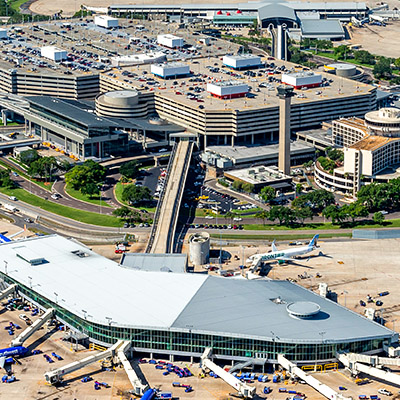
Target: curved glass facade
(193, 344)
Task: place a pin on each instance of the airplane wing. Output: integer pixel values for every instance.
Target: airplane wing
(2, 361)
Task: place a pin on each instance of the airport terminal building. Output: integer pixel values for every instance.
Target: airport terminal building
(180, 314)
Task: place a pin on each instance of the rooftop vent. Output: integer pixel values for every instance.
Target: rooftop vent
(303, 309)
(29, 255)
(80, 253)
(278, 300)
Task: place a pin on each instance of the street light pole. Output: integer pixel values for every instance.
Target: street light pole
(345, 292)
(274, 347)
(6, 267)
(30, 281)
(56, 294)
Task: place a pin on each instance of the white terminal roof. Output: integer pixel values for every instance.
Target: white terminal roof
(84, 280)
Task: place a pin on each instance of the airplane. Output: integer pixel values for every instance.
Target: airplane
(283, 255)
(11, 352)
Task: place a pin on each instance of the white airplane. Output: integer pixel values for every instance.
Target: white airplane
(283, 255)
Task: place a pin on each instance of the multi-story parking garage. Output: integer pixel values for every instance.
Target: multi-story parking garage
(182, 314)
(251, 119)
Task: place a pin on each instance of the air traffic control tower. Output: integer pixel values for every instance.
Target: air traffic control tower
(285, 92)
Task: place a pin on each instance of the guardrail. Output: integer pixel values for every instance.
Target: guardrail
(177, 204)
(160, 201)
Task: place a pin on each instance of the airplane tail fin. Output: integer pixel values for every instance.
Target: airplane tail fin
(314, 241)
(273, 246)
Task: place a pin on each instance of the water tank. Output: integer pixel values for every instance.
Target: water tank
(199, 248)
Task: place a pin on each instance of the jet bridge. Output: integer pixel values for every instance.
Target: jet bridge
(325, 390)
(244, 390)
(355, 366)
(30, 330)
(138, 387)
(55, 376)
(4, 293)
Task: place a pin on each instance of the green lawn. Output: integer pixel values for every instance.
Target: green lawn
(368, 224)
(15, 5)
(76, 194)
(119, 187)
(69, 212)
(279, 237)
(10, 123)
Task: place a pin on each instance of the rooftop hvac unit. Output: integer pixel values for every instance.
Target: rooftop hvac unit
(252, 172)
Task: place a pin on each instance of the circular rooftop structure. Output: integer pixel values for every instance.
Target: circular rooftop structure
(303, 309)
(339, 69)
(121, 104)
(384, 122)
(122, 97)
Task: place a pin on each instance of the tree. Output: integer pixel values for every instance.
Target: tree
(382, 68)
(248, 187)
(136, 194)
(299, 188)
(354, 210)
(397, 62)
(303, 213)
(334, 154)
(308, 164)
(378, 218)
(263, 215)
(333, 213)
(267, 193)
(237, 185)
(81, 175)
(129, 169)
(29, 156)
(90, 189)
(127, 214)
(282, 214)
(43, 167)
(364, 57)
(341, 52)
(327, 164)
(5, 180)
(122, 212)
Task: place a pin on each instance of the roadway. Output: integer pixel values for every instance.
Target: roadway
(166, 216)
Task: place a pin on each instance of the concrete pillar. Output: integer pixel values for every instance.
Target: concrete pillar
(252, 138)
(233, 141)
(285, 92)
(4, 117)
(225, 139)
(171, 358)
(205, 141)
(272, 136)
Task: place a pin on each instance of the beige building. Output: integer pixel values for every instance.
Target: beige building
(371, 149)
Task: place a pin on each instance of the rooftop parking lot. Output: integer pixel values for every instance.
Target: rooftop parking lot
(89, 47)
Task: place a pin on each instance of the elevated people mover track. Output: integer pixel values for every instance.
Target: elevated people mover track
(162, 237)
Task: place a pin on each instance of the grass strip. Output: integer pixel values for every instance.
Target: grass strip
(59, 209)
(76, 194)
(277, 237)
